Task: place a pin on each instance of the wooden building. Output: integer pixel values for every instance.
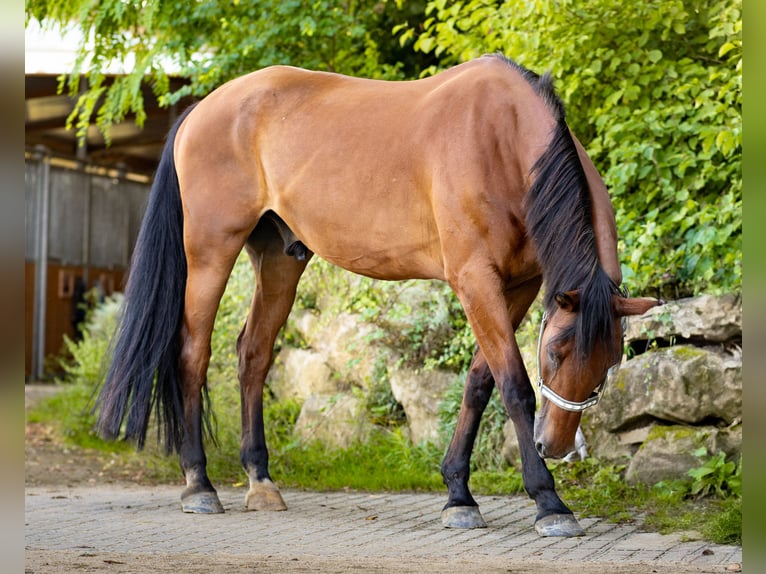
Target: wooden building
(84, 203)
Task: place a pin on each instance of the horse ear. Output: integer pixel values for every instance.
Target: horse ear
(568, 301)
(625, 307)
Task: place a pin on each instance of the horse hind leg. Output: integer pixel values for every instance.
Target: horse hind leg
(210, 259)
(276, 279)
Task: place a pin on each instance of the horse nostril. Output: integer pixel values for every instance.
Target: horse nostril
(540, 449)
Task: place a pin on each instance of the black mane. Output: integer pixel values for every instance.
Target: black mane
(558, 218)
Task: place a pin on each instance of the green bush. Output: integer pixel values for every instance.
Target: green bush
(654, 92)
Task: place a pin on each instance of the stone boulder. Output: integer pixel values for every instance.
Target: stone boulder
(669, 451)
(300, 373)
(681, 384)
(337, 420)
(700, 319)
(665, 404)
(345, 343)
(420, 392)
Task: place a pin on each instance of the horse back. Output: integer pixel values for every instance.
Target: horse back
(381, 178)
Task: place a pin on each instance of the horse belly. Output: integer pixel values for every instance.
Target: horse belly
(383, 241)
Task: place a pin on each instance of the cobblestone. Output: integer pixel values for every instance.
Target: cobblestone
(149, 520)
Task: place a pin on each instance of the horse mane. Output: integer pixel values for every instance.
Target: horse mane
(558, 218)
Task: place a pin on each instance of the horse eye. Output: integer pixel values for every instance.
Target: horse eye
(554, 359)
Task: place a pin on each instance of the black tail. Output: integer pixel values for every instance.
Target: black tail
(146, 344)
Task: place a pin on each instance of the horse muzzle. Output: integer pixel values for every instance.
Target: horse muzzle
(553, 445)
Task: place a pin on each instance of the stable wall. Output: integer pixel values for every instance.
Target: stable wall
(81, 222)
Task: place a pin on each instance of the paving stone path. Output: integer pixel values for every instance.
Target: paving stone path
(338, 525)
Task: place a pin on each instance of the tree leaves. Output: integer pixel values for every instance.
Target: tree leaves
(654, 90)
(210, 42)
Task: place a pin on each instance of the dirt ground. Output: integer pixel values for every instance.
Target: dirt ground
(49, 461)
(58, 562)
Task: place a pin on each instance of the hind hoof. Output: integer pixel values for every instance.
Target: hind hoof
(559, 525)
(202, 503)
(264, 495)
(462, 517)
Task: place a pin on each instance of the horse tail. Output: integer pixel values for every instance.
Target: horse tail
(144, 370)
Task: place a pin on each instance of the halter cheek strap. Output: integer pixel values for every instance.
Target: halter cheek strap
(555, 398)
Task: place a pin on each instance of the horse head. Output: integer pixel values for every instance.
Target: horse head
(569, 383)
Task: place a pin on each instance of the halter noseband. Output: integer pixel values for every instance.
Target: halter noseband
(555, 398)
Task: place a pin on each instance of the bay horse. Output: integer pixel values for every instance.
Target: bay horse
(471, 176)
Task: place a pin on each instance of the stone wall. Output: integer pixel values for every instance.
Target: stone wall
(679, 391)
(344, 357)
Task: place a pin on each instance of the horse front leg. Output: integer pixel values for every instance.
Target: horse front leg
(554, 518)
(494, 313)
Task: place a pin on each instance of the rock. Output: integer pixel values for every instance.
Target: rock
(346, 343)
(421, 307)
(703, 318)
(420, 392)
(681, 384)
(335, 420)
(668, 451)
(300, 373)
(511, 451)
(306, 322)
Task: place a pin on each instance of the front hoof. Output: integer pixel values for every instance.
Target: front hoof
(462, 517)
(202, 503)
(264, 495)
(559, 525)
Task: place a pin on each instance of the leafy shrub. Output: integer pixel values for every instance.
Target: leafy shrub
(83, 361)
(654, 92)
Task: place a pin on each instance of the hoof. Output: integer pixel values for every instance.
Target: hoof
(202, 503)
(264, 495)
(462, 517)
(559, 525)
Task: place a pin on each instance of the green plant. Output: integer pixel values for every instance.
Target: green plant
(83, 361)
(661, 120)
(716, 476)
(488, 447)
(208, 43)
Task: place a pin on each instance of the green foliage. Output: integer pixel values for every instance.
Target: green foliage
(229, 320)
(83, 362)
(595, 488)
(654, 91)
(427, 329)
(210, 42)
(716, 476)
